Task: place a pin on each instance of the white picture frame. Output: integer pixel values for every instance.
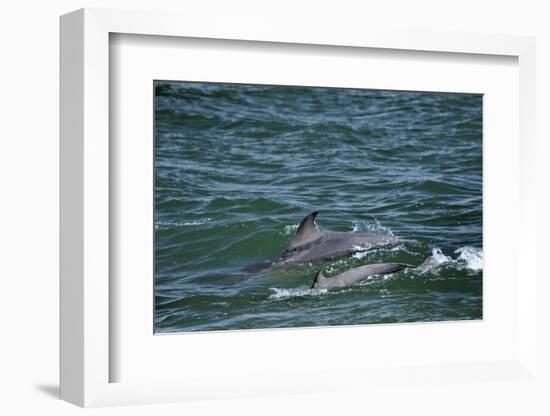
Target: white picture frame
(86, 356)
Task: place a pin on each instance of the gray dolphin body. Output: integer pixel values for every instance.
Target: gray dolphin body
(310, 244)
(357, 275)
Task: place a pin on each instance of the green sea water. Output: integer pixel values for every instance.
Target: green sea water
(238, 166)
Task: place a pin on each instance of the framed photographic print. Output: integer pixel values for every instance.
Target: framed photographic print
(248, 214)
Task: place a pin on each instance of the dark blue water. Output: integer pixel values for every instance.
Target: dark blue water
(238, 166)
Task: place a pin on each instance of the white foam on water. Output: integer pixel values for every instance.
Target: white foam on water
(400, 247)
(290, 229)
(359, 254)
(293, 293)
(440, 258)
(471, 256)
(370, 227)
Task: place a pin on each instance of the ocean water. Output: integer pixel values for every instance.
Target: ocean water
(238, 166)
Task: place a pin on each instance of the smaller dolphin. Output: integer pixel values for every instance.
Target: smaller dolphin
(357, 275)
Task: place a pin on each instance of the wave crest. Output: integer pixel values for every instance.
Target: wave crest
(297, 292)
(161, 225)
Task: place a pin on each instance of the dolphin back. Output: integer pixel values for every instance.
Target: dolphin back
(357, 275)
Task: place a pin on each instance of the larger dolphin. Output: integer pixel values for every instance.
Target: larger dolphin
(310, 244)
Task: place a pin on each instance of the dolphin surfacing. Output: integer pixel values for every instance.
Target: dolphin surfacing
(310, 244)
(357, 275)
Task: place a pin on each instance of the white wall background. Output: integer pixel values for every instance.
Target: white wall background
(29, 204)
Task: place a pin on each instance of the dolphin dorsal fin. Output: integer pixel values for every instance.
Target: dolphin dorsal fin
(307, 231)
(318, 280)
